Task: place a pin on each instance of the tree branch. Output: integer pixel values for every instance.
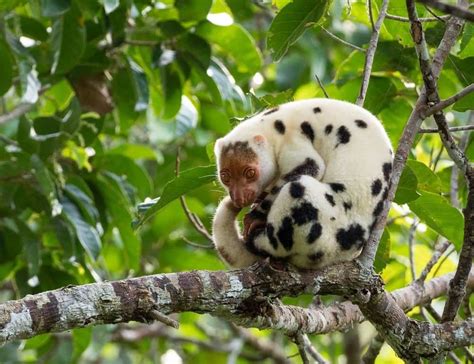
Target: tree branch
(443, 104)
(369, 58)
(406, 20)
(340, 40)
(18, 111)
(450, 9)
(453, 29)
(452, 129)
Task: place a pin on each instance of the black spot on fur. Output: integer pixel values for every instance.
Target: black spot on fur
(275, 190)
(343, 135)
(330, 199)
(328, 129)
(309, 168)
(316, 257)
(337, 187)
(378, 209)
(271, 111)
(307, 130)
(285, 233)
(354, 235)
(265, 205)
(250, 243)
(314, 233)
(296, 190)
(372, 226)
(387, 170)
(316, 110)
(347, 206)
(376, 187)
(257, 215)
(361, 124)
(332, 218)
(385, 193)
(304, 213)
(279, 126)
(271, 236)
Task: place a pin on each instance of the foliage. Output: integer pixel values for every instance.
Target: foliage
(119, 86)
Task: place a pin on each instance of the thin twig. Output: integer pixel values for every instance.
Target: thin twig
(299, 341)
(371, 16)
(411, 236)
(335, 37)
(192, 217)
(312, 350)
(168, 321)
(406, 20)
(439, 250)
(369, 58)
(453, 192)
(395, 218)
(373, 350)
(322, 86)
(452, 129)
(434, 14)
(450, 9)
(18, 111)
(443, 104)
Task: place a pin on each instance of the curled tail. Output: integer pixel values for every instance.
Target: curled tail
(227, 239)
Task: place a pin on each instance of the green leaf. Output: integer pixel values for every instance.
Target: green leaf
(406, 190)
(86, 234)
(117, 203)
(465, 104)
(427, 180)
(187, 117)
(192, 10)
(235, 42)
(81, 338)
(6, 67)
(124, 166)
(291, 22)
(467, 43)
(68, 41)
(184, 183)
(33, 29)
(84, 202)
(383, 252)
(7, 5)
(110, 5)
(172, 90)
(440, 216)
(54, 7)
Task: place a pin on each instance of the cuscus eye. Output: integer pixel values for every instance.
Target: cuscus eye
(250, 173)
(225, 177)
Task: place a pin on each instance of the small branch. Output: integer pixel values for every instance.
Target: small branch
(335, 37)
(322, 86)
(449, 101)
(452, 129)
(312, 350)
(453, 192)
(168, 321)
(406, 20)
(18, 111)
(373, 350)
(439, 249)
(371, 16)
(411, 236)
(299, 341)
(369, 58)
(450, 9)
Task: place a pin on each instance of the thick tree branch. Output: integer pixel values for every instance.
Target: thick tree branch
(369, 58)
(235, 295)
(450, 9)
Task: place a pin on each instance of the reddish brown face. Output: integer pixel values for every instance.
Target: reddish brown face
(241, 179)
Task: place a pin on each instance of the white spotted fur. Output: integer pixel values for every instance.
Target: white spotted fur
(355, 164)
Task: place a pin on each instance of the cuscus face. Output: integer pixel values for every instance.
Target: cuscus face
(241, 170)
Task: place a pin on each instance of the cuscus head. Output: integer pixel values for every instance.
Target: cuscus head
(245, 167)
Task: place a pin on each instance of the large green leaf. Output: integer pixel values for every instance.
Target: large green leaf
(291, 22)
(33, 29)
(427, 180)
(86, 234)
(172, 90)
(185, 182)
(406, 190)
(192, 10)
(436, 212)
(6, 67)
(54, 7)
(68, 41)
(383, 252)
(117, 206)
(235, 42)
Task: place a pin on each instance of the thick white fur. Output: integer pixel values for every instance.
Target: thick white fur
(356, 164)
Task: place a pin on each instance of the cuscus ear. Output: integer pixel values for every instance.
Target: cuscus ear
(218, 146)
(259, 139)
